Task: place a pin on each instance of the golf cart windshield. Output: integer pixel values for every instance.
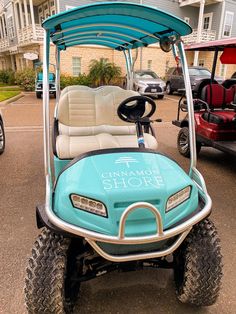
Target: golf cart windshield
(51, 76)
(199, 72)
(145, 75)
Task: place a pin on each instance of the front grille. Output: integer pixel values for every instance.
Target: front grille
(152, 87)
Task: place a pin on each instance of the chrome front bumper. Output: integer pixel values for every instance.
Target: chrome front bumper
(181, 230)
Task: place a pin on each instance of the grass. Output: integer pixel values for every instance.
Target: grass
(4, 95)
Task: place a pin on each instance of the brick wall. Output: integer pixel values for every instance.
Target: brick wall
(160, 60)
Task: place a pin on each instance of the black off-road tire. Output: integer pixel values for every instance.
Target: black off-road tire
(183, 143)
(198, 266)
(55, 95)
(2, 137)
(46, 273)
(39, 95)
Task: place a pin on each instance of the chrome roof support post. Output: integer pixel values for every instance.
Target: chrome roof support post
(131, 69)
(46, 116)
(58, 77)
(189, 97)
(127, 70)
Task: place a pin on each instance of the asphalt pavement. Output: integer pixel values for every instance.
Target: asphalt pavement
(143, 292)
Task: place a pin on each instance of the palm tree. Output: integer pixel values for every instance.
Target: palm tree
(102, 72)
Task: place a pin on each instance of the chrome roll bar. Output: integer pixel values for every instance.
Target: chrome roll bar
(189, 97)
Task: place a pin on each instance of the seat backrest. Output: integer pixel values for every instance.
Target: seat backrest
(214, 95)
(92, 107)
(228, 83)
(74, 87)
(229, 95)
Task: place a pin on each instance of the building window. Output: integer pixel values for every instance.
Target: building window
(201, 62)
(207, 21)
(149, 64)
(229, 18)
(11, 28)
(76, 66)
(187, 19)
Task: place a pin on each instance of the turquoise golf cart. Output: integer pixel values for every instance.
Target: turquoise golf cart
(39, 82)
(113, 202)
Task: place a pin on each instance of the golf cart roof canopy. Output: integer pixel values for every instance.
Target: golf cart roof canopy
(213, 45)
(118, 25)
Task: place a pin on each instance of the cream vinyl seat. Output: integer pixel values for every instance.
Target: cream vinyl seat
(87, 120)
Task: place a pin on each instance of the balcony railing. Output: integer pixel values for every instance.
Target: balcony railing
(4, 44)
(26, 34)
(206, 35)
(196, 3)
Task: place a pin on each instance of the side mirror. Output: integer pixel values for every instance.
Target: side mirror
(165, 44)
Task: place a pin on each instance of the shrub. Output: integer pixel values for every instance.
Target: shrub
(7, 77)
(26, 79)
(103, 72)
(82, 79)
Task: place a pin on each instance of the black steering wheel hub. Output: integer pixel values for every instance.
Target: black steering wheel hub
(133, 109)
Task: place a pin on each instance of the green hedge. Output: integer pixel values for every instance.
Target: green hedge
(26, 79)
(82, 79)
(7, 77)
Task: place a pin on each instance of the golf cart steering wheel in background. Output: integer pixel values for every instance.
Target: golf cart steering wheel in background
(135, 111)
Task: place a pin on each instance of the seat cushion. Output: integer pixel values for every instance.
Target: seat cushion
(219, 117)
(69, 147)
(95, 130)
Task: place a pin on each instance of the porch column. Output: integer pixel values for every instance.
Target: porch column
(4, 25)
(21, 15)
(16, 19)
(26, 13)
(1, 29)
(32, 18)
(199, 30)
(12, 63)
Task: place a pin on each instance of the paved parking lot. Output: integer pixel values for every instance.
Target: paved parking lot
(147, 292)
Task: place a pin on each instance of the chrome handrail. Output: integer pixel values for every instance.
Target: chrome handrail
(134, 206)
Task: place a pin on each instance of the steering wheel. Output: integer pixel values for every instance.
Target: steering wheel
(135, 111)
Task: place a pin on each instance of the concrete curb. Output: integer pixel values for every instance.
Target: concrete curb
(8, 101)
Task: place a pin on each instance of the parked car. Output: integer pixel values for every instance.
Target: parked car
(39, 84)
(2, 134)
(175, 81)
(148, 83)
(233, 75)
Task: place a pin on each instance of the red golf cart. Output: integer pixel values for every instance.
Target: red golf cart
(214, 107)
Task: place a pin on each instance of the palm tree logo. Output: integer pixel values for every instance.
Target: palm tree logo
(126, 161)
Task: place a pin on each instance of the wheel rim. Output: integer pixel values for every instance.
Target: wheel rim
(168, 88)
(1, 137)
(183, 142)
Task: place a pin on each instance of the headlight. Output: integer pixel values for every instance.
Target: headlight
(88, 205)
(162, 84)
(142, 84)
(178, 198)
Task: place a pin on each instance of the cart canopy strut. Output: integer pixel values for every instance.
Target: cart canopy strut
(119, 25)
